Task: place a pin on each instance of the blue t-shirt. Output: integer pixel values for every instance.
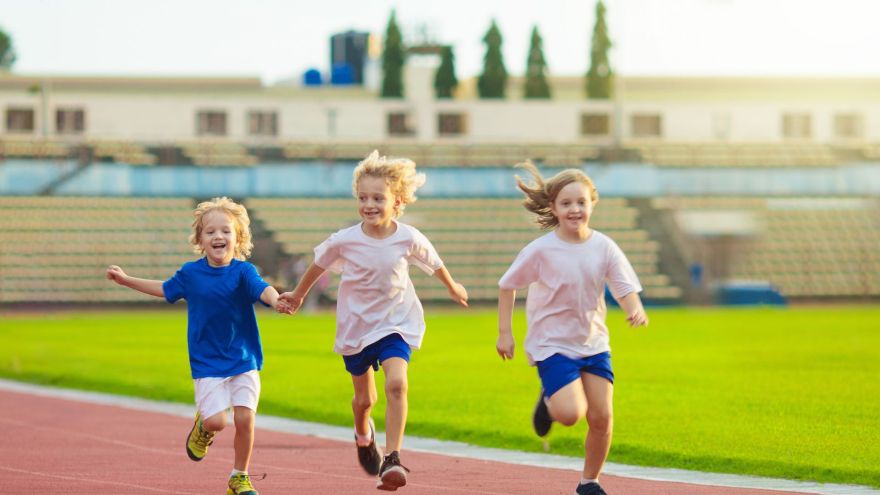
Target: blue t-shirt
(222, 331)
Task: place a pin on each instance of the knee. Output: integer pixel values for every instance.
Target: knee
(395, 388)
(244, 420)
(363, 402)
(567, 417)
(215, 423)
(600, 421)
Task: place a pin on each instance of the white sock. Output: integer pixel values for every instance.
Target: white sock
(584, 481)
(236, 471)
(363, 440)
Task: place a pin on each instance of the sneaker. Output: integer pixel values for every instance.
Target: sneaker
(240, 484)
(589, 489)
(393, 474)
(541, 419)
(369, 456)
(198, 440)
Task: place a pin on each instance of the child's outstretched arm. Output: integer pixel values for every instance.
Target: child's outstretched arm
(505, 344)
(456, 291)
(270, 297)
(631, 304)
(150, 287)
(294, 299)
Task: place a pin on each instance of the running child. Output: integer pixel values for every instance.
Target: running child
(566, 271)
(225, 353)
(379, 318)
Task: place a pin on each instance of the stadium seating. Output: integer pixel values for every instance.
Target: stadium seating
(56, 249)
(729, 154)
(808, 247)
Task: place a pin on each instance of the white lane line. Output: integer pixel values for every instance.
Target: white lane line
(460, 449)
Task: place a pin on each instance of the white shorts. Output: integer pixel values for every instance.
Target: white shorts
(214, 395)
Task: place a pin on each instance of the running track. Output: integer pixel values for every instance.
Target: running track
(58, 445)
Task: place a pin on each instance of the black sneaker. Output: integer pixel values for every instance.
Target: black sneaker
(393, 474)
(369, 456)
(590, 489)
(541, 419)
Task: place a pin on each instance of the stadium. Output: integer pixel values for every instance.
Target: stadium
(746, 205)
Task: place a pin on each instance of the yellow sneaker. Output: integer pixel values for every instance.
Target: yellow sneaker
(240, 484)
(198, 440)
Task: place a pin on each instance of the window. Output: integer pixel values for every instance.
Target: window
(647, 125)
(847, 125)
(450, 124)
(20, 120)
(797, 126)
(262, 123)
(211, 123)
(399, 124)
(595, 124)
(70, 121)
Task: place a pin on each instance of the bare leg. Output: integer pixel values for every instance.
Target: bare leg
(363, 401)
(599, 393)
(396, 410)
(244, 436)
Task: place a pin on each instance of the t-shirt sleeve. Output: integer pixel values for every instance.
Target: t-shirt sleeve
(327, 254)
(175, 287)
(620, 275)
(523, 271)
(253, 283)
(423, 255)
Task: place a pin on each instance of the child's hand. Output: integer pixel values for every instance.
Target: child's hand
(638, 319)
(505, 345)
(458, 294)
(115, 274)
(291, 302)
(283, 307)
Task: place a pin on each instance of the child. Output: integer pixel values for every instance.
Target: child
(225, 353)
(379, 319)
(566, 271)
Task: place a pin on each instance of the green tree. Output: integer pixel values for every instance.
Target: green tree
(493, 80)
(392, 61)
(536, 69)
(7, 51)
(600, 78)
(445, 81)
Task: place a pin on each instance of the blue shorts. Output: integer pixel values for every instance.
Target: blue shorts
(372, 355)
(558, 371)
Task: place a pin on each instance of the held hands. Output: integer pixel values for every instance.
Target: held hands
(458, 294)
(505, 345)
(116, 274)
(637, 319)
(289, 303)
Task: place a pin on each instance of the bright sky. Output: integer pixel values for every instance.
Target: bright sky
(278, 39)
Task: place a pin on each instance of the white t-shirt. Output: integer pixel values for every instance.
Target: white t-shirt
(376, 296)
(565, 307)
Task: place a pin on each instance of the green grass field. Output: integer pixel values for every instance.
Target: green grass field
(790, 393)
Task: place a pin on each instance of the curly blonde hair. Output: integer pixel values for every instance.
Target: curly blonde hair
(399, 173)
(239, 215)
(541, 194)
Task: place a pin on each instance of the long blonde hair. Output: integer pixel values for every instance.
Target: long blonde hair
(399, 173)
(541, 194)
(239, 215)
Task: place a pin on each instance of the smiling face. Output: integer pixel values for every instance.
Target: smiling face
(376, 202)
(573, 208)
(218, 237)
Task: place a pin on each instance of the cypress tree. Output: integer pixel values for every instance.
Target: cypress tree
(600, 78)
(445, 81)
(493, 80)
(392, 61)
(536, 68)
